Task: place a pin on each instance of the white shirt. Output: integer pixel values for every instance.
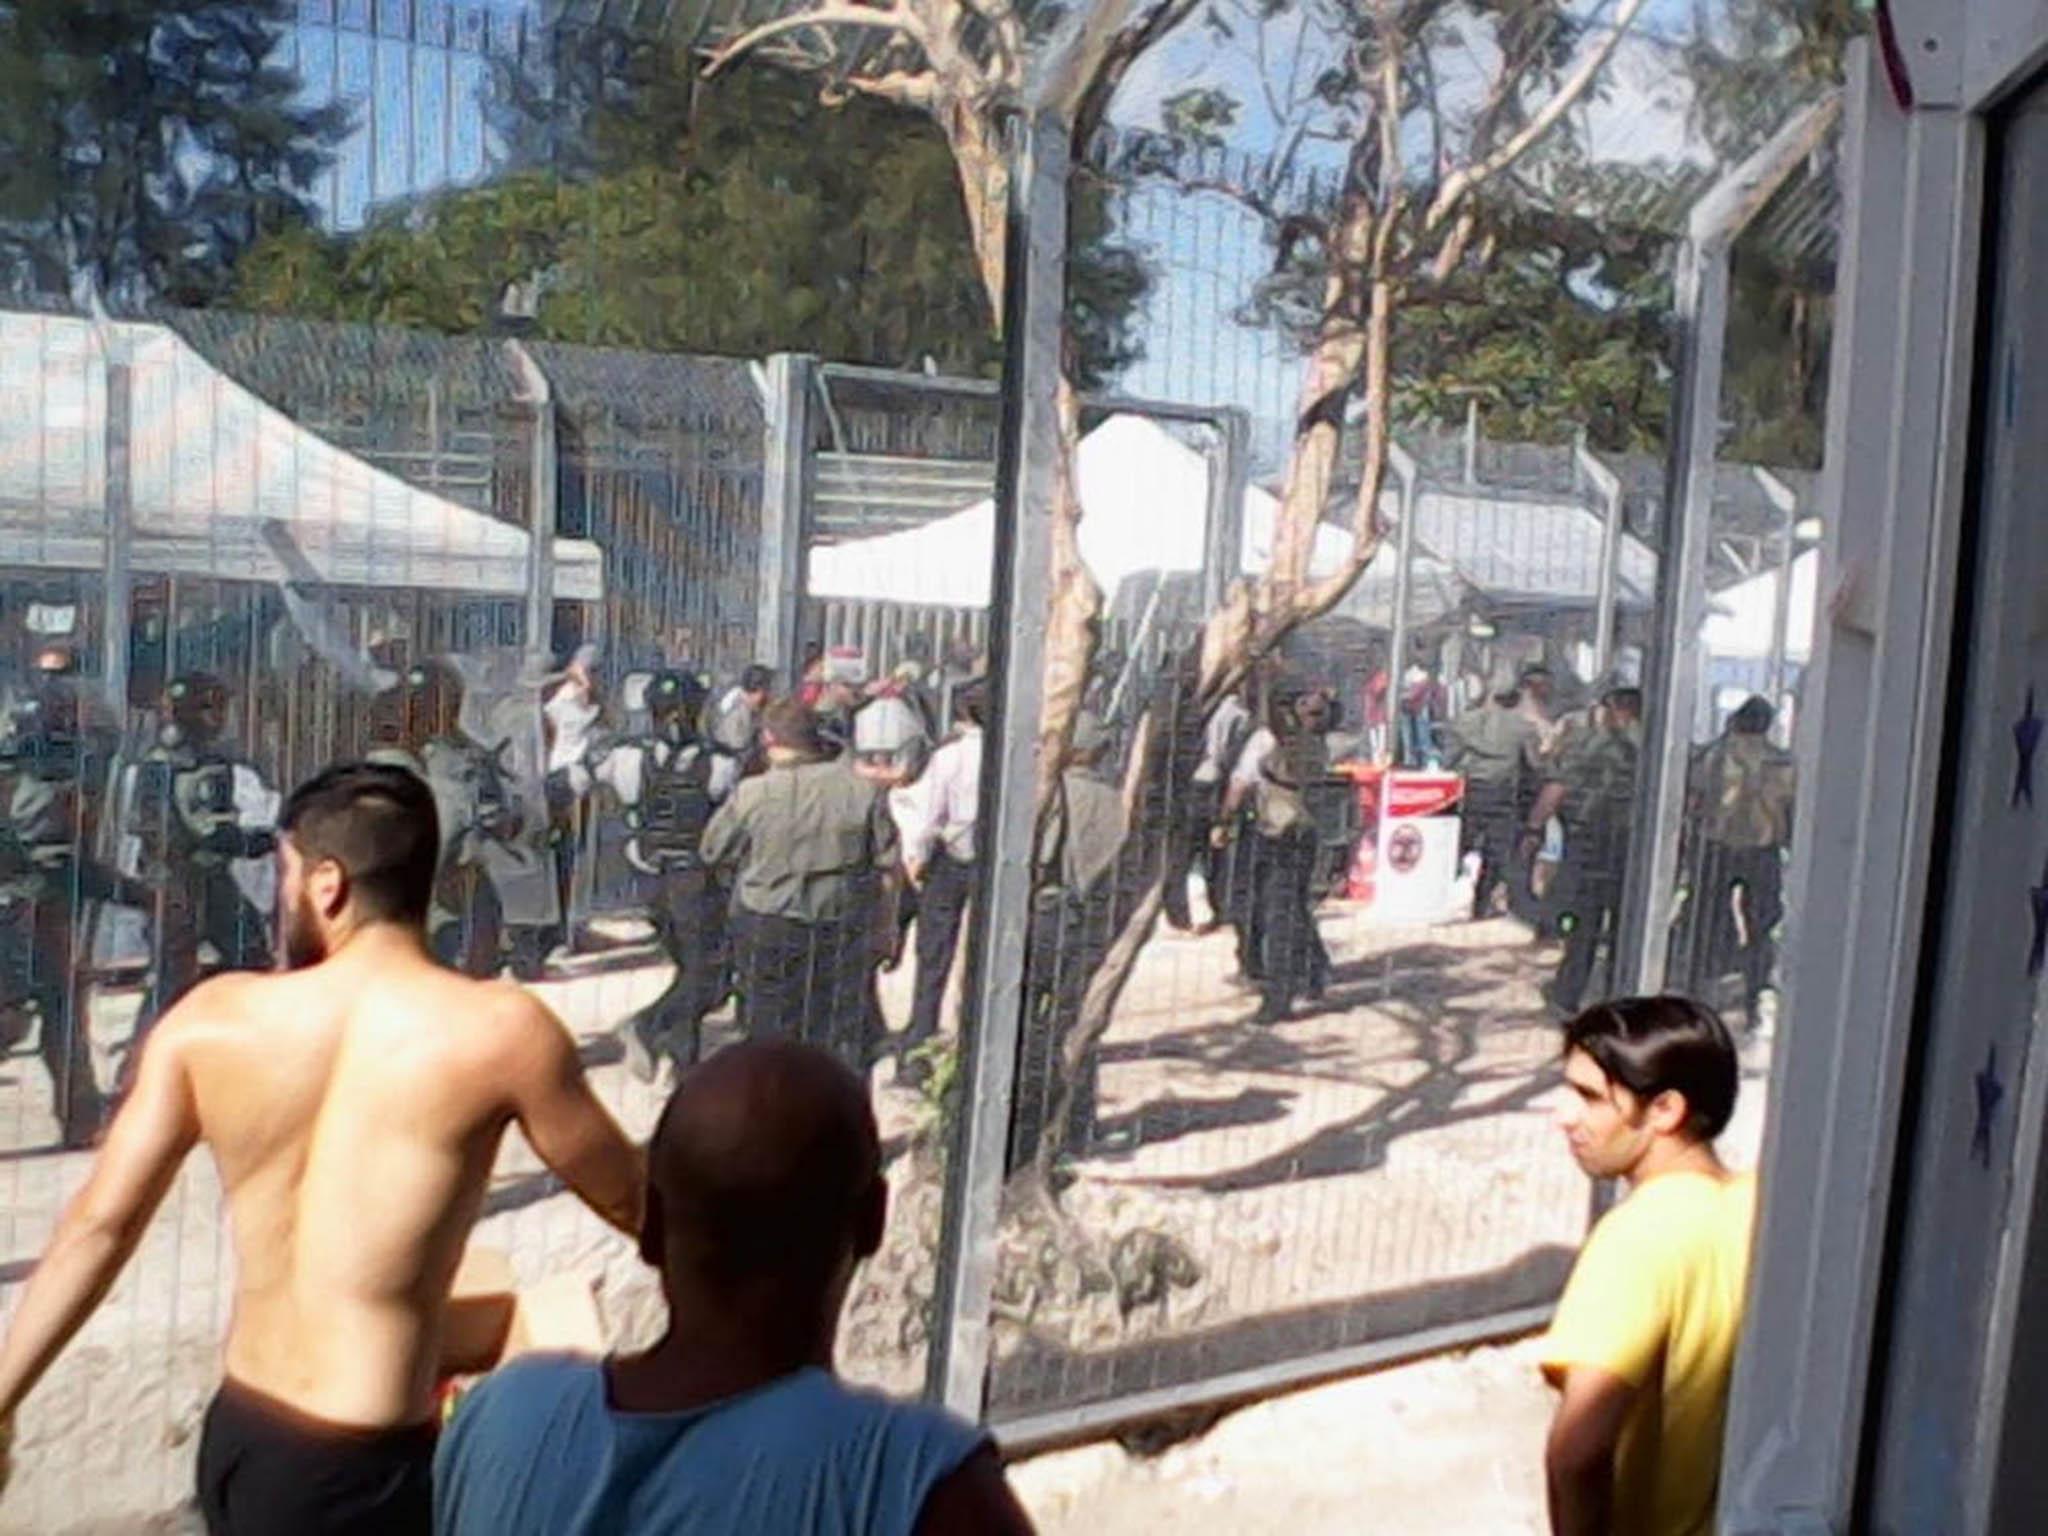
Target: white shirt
(734, 724)
(1230, 714)
(1251, 762)
(952, 797)
(572, 713)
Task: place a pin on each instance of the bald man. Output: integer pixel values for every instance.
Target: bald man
(765, 1193)
(354, 1105)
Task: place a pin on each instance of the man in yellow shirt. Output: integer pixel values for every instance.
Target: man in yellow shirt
(1644, 1340)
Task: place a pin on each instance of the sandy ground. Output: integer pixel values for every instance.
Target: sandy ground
(1381, 1165)
(1459, 1437)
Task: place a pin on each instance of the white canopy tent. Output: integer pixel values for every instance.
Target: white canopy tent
(1145, 498)
(220, 481)
(1530, 551)
(1745, 616)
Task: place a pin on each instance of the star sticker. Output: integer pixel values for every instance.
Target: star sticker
(2038, 953)
(2026, 740)
(1989, 1091)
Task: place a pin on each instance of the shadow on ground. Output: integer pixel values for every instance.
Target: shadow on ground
(1044, 1375)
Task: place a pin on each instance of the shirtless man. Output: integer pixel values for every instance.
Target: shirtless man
(354, 1104)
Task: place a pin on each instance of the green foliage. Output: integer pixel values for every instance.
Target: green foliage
(741, 216)
(1756, 62)
(1566, 329)
(1560, 321)
(144, 144)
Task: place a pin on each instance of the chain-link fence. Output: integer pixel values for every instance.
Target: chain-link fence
(543, 423)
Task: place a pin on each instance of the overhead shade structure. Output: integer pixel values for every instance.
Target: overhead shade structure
(221, 483)
(1742, 624)
(1144, 499)
(1532, 552)
(1434, 589)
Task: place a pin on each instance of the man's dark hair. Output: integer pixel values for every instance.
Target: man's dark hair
(970, 702)
(757, 679)
(1754, 717)
(1628, 700)
(791, 723)
(1653, 1045)
(760, 1168)
(378, 823)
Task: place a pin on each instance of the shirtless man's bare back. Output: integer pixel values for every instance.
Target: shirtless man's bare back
(354, 1105)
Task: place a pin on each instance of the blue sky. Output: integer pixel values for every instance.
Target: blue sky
(417, 71)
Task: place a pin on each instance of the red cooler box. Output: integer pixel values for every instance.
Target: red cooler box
(1407, 859)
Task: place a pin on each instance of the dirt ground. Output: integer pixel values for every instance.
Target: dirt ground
(1459, 1437)
(1380, 1165)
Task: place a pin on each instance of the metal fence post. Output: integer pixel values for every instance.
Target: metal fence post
(1671, 680)
(1027, 459)
(1587, 466)
(116, 623)
(1786, 501)
(1230, 472)
(785, 487)
(543, 495)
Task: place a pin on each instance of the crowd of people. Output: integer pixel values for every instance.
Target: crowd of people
(785, 846)
(1548, 813)
(774, 882)
(353, 1102)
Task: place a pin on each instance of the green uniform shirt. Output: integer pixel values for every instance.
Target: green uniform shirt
(1743, 788)
(1490, 744)
(807, 840)
(1598, 770)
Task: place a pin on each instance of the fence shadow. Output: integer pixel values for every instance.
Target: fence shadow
(1044, 1374)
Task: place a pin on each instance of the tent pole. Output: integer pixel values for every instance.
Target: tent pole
(1229, 477)
(1405, 470)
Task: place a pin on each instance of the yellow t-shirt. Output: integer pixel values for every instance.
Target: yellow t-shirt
(1656, 1299)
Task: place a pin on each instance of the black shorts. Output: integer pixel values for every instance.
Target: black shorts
(266, 1469)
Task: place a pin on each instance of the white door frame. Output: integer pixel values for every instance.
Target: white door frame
(1872, 754)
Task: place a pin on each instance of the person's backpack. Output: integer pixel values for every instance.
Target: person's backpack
(676, 803)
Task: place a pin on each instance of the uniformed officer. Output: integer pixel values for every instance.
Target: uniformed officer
(941, 860)
(892, 749)
(684, 778)
(184, 814)
(1492, 746)
(53, 779)
(1072, 914)
(1741, 792)
(1590, 787)
(813, 851)
(418, 725)
(1279, 947)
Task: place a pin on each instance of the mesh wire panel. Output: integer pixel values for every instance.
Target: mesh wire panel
(1299, 937)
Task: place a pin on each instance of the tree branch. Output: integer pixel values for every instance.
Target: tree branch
(895, 17)
(903, 87)
(1117, 53)
(1461, 183)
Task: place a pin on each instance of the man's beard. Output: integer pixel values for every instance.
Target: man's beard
(299, 934)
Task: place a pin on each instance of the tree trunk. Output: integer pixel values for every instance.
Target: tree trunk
(1235, 637)
(1319, 419)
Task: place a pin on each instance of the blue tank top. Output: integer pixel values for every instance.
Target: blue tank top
(536, 1450)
